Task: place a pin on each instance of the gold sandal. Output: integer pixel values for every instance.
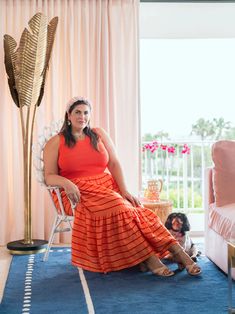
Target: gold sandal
(160, 271)
(193, 269)
(163, 271)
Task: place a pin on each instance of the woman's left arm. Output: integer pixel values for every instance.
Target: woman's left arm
(115, 168)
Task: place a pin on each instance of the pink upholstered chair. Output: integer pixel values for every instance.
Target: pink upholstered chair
(220, 203)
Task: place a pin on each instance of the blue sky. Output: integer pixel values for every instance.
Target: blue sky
(185, 79)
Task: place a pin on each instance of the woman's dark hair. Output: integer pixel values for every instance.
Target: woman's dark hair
(66, 129)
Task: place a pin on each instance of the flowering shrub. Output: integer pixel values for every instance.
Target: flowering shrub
(186, 149)
(154, 145)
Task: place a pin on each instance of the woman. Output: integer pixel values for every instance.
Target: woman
(111, 229)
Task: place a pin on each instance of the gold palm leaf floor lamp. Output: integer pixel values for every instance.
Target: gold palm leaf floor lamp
(26, 69)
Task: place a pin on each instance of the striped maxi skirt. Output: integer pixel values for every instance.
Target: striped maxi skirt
(110, 234)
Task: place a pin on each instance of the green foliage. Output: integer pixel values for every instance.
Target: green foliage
(173, 197)
(214, 129)
(148, 137)
(230, 134)
(159, 136)
(220, 127)
(203, 128)
(155, 164)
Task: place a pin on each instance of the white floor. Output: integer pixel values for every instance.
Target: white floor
(5, 261)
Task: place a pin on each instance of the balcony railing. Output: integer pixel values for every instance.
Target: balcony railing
(182, 171)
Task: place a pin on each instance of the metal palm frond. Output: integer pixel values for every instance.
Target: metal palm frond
(9, 59)
(30, 60)
(26, 68)
(51, 30)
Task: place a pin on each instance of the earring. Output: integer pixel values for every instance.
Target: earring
(68, 122)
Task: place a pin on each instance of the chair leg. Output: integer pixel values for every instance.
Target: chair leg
(56, 223)
(71, 228)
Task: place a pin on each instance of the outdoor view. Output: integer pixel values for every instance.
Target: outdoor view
(187, 103)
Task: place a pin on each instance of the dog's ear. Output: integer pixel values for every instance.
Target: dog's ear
(168, 223)
(186, 224)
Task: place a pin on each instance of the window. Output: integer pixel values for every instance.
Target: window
(187, 71)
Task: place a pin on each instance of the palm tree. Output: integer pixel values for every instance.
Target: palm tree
(148, 137)
(230, 134)
(161, 135)
(221, 125)
(203, 128)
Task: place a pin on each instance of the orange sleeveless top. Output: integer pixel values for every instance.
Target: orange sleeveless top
(82, 159)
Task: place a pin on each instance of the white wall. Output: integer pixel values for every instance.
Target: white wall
(187, 20)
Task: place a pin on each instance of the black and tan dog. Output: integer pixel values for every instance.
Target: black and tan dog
(179, 226)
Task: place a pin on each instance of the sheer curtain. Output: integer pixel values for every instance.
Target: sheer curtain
(95, 55)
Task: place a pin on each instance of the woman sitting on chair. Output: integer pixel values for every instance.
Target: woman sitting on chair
(111, 230)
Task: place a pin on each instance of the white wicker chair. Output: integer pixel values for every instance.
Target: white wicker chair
(61, 216)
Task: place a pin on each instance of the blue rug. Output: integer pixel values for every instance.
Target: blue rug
(37, 287)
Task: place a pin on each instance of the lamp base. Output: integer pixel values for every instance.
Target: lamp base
(20, 248)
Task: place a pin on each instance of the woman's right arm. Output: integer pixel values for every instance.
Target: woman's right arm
(52, 177)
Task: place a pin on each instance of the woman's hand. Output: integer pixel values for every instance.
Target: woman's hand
(72, 192)
(132, 199)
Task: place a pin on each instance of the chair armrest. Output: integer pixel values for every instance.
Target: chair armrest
(57, 190)
(211, 195)
(208, 187)
(53, 188)
(208, 194)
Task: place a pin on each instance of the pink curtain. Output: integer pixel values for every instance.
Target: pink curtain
(95, 55)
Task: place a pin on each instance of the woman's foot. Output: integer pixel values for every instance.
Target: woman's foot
(193, 269)
(157, 267)
(163, 271)
(185, 261)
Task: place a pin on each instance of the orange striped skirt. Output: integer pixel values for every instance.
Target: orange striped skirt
(110, 234)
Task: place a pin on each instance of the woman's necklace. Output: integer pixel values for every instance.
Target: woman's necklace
(79, 136)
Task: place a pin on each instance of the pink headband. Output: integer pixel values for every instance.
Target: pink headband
(75, 99)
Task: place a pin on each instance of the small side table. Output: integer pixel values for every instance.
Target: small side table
(162, 208)
(231, 264)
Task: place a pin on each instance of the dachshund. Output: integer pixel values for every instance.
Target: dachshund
(178, 225)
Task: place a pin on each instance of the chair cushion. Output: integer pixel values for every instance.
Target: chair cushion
(222, 220)
(223, 153)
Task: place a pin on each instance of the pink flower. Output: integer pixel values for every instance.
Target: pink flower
(154, 145)
(152, 149)
(163, 147)
(171, 149)
(186, 149)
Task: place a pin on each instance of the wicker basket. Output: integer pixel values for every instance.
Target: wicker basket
(163, 208)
